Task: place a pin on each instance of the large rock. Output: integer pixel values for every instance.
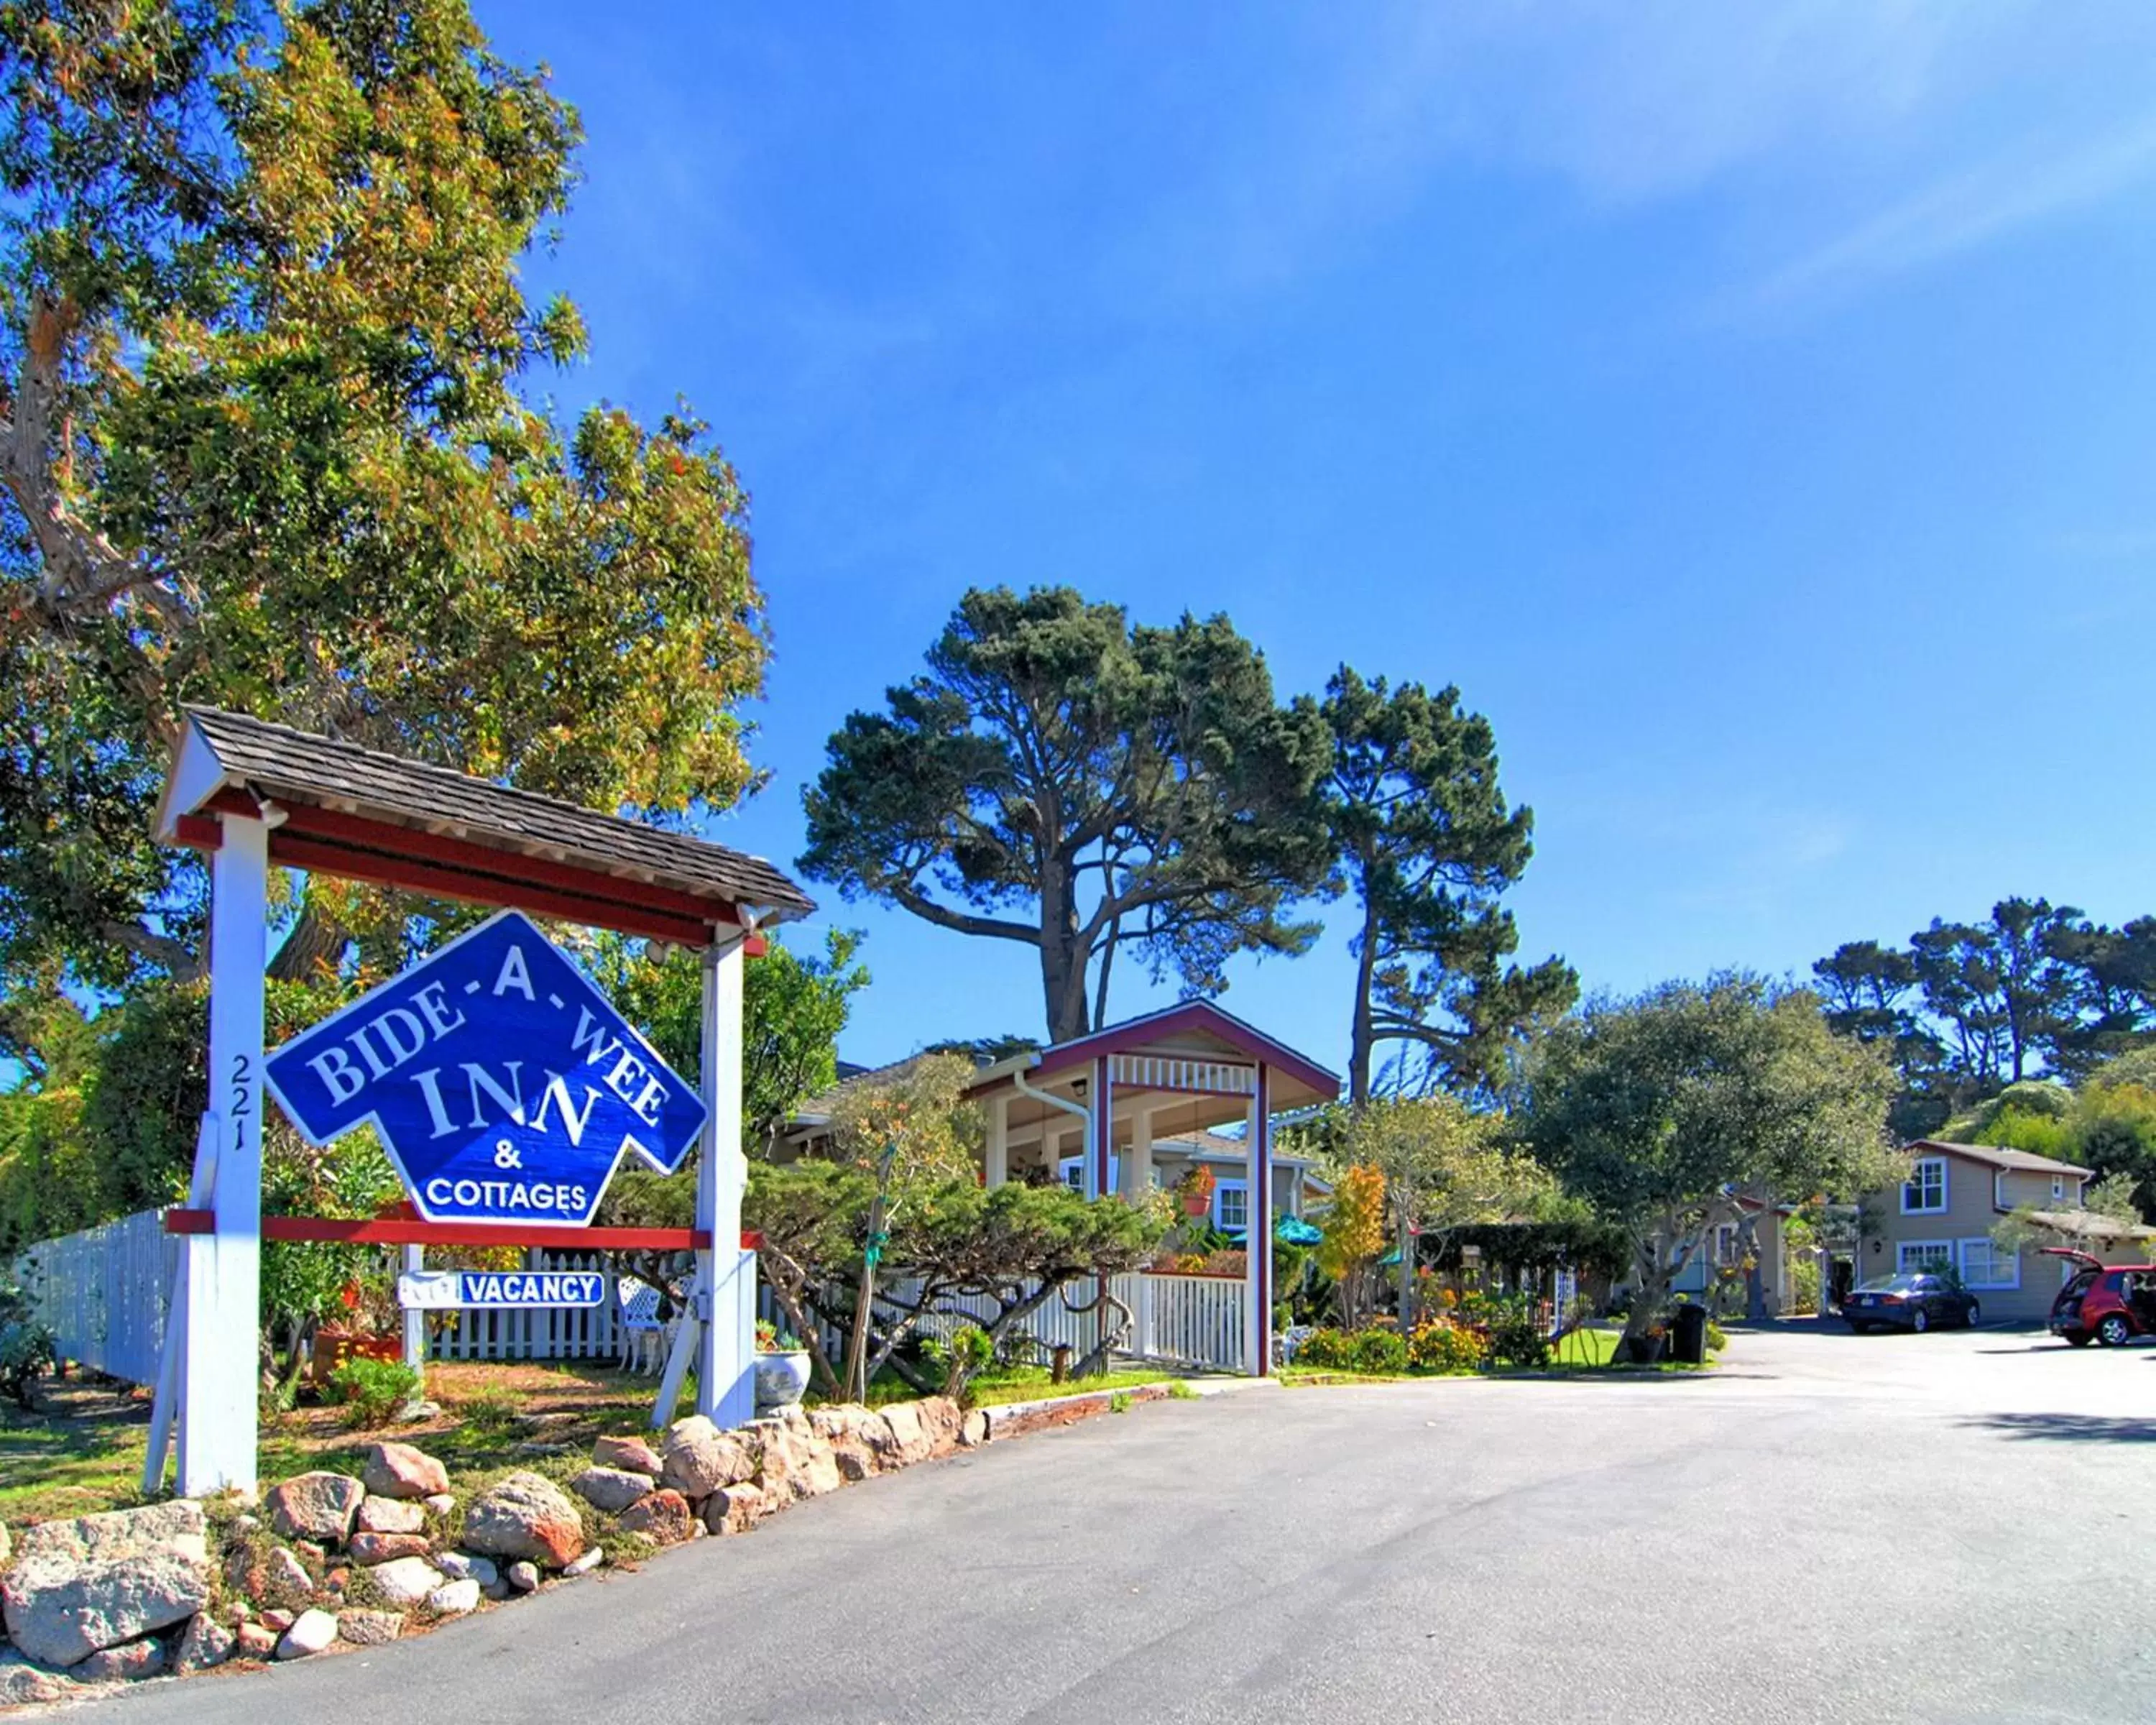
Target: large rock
(123, 1664)
(612, 1489)
(698, 1459)
(524, 1516)
(385, 1548)
(631, 1455)
(942, 1419)
(912, 1439)
(859, 1437)
(523, 1577)
(22, 1683)
(406, 1581)
(369, 1628)
(207, 1643)
(315, 1506)
(399, 1471)
(61, 1608)
(793, 1462)
(459, 1565)
(662, 1518)
(255, 1641)
(735, 1510)
(311, 1632)
(284, 1579)
(118, 1533)
(391, 1515)
(452, 1598)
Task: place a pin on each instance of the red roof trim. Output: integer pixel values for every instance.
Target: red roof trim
(1191, 1014)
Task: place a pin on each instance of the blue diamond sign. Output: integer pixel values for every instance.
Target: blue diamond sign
(504, 1085)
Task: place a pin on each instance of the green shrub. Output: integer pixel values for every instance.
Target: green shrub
(1326, 1349)
(1717, 1338)
(1379, 1351)
(26, 1355)
(1518, 1340)
(1442, 1346)
(374, 1389)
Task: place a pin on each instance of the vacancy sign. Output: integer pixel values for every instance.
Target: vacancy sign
(504, 1085)
(460, 1290)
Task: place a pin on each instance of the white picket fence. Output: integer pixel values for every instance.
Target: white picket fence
(1178, 1320)
(103, 1293)
(574, 1332)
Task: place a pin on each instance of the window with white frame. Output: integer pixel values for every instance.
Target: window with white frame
(1925, 1191)
(1913, 1256)
(1725, 1243)
(1231, 1206)
(2058, 1185)
(1986, 1263)
(1073, 1170)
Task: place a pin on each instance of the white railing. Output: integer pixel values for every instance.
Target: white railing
(1191, 1320)
(1173, 1072)
(1181, 1320)
(570, 1332)
(103, 1293)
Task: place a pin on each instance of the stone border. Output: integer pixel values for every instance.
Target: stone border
(326, 1561)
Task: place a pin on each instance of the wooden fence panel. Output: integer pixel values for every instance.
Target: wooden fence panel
(103, 1293)
(553, 1332)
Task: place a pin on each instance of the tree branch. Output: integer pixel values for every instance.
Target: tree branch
(911, 898)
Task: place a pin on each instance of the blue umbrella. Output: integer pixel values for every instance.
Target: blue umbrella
(1293, 1230)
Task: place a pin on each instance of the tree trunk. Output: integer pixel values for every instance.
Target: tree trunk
(857, 1350)
(1362, 1051)
(317, 940)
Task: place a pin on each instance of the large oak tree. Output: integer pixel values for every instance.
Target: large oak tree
(1064, 779)
(267, 441)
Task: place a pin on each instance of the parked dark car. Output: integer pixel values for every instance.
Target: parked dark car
(1915, 1300)
(2110, 1303)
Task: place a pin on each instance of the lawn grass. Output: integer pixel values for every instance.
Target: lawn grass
(81, 1451)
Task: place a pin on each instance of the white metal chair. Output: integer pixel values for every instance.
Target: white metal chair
(641, 1335)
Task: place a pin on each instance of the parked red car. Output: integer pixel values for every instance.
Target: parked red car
(2110, 1303)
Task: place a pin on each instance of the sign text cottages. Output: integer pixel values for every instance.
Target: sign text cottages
(504, 1085)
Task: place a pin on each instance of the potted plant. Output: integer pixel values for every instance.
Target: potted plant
(365, 1333)
(1196, 1188)
(781, 1369)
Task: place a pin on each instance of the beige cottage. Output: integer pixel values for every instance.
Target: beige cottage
(1943, 1214)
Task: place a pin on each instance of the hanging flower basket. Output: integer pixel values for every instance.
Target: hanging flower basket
(1196, 1190)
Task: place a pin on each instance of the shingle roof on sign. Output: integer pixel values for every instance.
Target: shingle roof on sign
(297, 765)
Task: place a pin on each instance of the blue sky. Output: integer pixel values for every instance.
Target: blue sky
(1749, 409)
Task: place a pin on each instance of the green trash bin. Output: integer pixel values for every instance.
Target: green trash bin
(1688, 1336)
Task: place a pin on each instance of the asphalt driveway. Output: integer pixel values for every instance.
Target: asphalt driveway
(1947, 1527)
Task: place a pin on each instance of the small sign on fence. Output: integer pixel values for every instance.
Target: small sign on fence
(456, 1290)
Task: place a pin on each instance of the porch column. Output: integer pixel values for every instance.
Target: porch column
(219, 1394)
(1258, 1238)
(1104, 1128)
(1137, 1159)
(995, 1163)
(718, 1332)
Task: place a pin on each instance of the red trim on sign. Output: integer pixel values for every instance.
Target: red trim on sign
(408, 1230)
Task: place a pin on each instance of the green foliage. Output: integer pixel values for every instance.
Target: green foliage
(26, 1346)
(1064, 779)
(1717, 1338)
(1439, 1345)
(793, 1006)
(1377, 1350)
(1970, 1007)
(1516, 1340)
(1425, 842)
(373, 1389)
(1656, 1110)
(283, 444)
